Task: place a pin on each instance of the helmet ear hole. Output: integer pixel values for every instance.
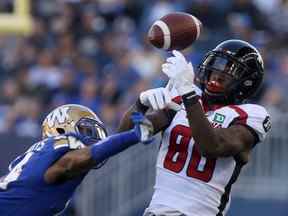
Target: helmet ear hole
(60, 130)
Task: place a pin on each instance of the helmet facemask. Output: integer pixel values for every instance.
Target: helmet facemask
(91, 130)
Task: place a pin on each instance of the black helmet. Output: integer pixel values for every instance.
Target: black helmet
(242, 62)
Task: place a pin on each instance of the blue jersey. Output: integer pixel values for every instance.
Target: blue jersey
(23, 190)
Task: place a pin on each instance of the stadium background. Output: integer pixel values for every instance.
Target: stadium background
(94, 52)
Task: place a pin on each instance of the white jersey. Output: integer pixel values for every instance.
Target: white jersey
(191, 183)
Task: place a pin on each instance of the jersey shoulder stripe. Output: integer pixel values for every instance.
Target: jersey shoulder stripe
(242, 115)
(254, 116)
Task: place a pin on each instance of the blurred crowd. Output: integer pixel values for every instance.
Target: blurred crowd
(95, 53)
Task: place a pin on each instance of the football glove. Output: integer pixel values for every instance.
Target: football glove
(180, 72)
(158, 99)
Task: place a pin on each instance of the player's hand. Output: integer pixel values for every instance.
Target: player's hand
(157, 98)
(142, 127)
(180, 72)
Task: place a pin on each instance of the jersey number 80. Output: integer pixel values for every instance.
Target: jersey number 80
(199, 167)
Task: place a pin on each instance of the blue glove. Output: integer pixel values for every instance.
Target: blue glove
(143, 127)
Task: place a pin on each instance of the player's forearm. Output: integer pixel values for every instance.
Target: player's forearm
(77, 162)
(100, 151)
(202, 131)
(204, 134)
(113, 145)
(126, 123)
(72, 164)
(160, 119)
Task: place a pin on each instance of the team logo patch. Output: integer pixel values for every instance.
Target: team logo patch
(267, 124)
(219, 118)
(59, 115)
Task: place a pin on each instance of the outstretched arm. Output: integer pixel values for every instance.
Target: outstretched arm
(77, 162)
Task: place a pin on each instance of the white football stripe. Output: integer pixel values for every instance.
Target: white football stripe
(166, 32)
(197, 26)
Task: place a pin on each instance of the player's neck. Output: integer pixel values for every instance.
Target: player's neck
(208, 106)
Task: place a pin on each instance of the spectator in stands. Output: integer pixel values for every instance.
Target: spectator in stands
(88, 95)
(23, 117)
(46, 73)
(73, 41)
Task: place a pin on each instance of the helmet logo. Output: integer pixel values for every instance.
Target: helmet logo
(59, 115)
(248, 83)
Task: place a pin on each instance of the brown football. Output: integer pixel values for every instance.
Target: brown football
(175, 31)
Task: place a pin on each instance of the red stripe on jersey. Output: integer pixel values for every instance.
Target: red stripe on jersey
(242, 118)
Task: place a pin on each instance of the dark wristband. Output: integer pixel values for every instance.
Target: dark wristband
(190, 99)
(140, 107)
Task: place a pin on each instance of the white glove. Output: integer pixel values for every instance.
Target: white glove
(158, 98)
(180, 72)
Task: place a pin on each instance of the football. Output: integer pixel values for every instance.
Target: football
(176, 30)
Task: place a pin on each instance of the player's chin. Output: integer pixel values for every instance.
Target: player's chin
(214, 92)
(214, 88)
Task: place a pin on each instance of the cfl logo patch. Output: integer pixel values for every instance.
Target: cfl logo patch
(59, 115)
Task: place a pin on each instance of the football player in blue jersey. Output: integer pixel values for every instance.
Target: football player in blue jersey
(42, 180)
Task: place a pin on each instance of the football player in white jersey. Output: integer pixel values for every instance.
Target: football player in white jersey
(209, 138)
